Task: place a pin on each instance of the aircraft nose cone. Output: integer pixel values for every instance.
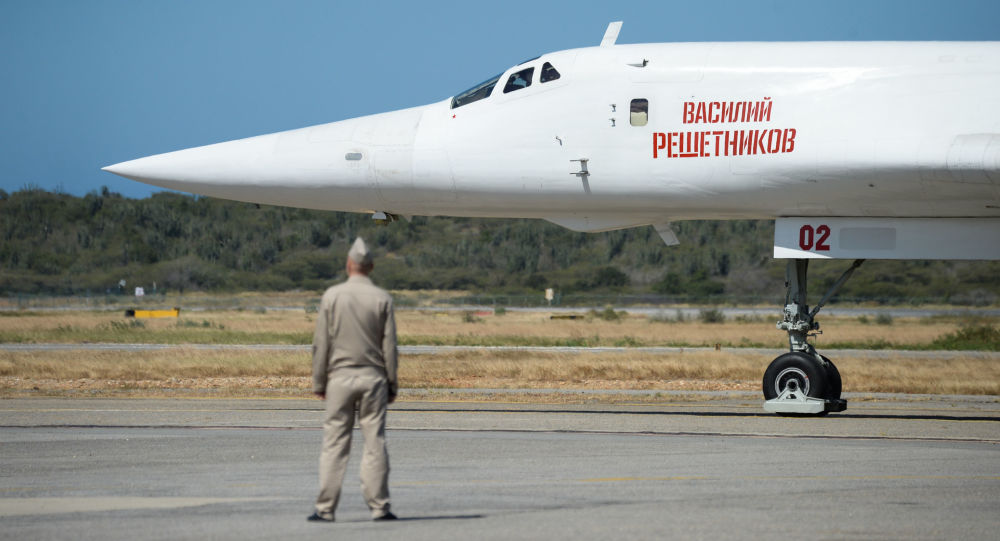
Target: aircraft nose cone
(329, 166)
(233, 162)
(303, 168)
(142, 170)
(117, 169)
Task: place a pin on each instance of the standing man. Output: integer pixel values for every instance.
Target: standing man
(354, 368)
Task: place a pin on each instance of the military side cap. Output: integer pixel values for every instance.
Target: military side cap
(359, 252)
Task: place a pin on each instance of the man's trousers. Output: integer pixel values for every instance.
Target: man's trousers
(366, 389)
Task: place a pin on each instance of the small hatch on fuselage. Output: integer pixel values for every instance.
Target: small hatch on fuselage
(639, 112)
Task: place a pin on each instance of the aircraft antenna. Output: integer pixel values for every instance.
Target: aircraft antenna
(611, 34)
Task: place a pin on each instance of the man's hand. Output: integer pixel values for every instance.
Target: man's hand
(321, 396)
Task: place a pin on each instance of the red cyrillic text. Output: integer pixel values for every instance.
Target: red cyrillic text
(719, 112)
(704, 144)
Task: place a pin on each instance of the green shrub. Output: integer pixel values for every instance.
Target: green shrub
(608, 314)
(883, 319)
(126, 325)
(713, 315)
(971, 337)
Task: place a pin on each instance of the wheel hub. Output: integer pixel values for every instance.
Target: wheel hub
(792, 379)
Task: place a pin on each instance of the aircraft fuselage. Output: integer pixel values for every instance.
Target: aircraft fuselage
(730, 130)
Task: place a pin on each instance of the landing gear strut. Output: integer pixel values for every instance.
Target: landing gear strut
(803, 382)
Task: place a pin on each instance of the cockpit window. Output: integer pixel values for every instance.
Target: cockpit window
(549, 73)
(519, 80)
(476, 93)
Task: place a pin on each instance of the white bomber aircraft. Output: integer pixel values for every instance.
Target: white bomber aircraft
(859, 151)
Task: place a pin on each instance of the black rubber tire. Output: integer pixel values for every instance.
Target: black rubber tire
(796, 365)
(834, 385)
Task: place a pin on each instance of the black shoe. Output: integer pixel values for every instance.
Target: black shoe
(316, 518)
(387, 516)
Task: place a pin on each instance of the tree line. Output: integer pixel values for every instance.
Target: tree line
(60, 244)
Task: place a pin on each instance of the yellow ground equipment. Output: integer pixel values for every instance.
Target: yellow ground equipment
(173, 312)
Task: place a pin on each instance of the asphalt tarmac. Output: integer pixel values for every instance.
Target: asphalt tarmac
(711, 466)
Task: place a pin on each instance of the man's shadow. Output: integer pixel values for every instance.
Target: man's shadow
(414, 519)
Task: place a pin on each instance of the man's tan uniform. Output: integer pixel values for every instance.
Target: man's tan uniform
(354, 363)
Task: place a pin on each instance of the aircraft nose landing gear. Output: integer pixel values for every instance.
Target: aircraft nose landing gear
(803, 382)
(797, 384)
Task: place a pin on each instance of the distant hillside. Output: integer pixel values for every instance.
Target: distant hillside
(55, 243)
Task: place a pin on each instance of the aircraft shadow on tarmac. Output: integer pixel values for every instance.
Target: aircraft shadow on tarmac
(916, 417)
(895, 416)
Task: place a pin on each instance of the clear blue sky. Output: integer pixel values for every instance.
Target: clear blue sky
(89, 83)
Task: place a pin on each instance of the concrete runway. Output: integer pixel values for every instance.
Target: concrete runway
(703, 467)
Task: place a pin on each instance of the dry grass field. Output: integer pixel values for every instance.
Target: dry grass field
(184, 371)
(458, 328)
(523, 328)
